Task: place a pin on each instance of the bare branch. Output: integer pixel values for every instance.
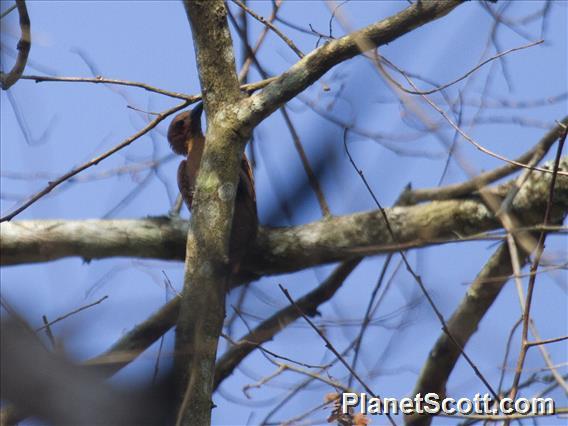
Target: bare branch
(103, 80)
(317, 63)
(24, 45)
(47, 325)
(466, 318)
(281, 250)
(249, 59)
(474, 184)
(458, 129)
(547, 341)
(467, 74)
(207, 271)
(330, 346)
(312, 179)
(462, 324)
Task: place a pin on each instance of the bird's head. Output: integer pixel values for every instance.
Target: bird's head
(184, 129)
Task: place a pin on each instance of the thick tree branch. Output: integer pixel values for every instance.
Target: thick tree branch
(207, 272)
(281, 250)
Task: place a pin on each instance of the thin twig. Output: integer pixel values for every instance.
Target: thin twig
(507, 350)
(249, 58)
(456, 127)
(367, 316)
(263, 21)
(547, 341)
(103, 80)
(523, 177)
(265, 352)
(483, 179)
(312, 179)
(281, 319)
(249, 87)
(281, 369)
(452, 147)
(547, 359)
(48, 331)
(467, 74)
(76, 311)
(7, 11)
(370, 310)
(296, 390)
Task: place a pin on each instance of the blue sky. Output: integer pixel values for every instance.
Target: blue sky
(69, 123)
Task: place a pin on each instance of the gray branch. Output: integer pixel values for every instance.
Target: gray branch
(207, 272)
(281, 250)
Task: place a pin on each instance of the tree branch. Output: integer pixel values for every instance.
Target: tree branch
(461, 189)
(315, 64)
(24, 45)
(207, 272)
(282, 250)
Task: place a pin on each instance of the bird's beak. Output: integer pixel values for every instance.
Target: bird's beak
(196, 112)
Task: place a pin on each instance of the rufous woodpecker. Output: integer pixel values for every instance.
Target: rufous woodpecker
(186, 138)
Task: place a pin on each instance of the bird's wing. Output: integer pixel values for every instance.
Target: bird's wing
(247, 178)
(184, 184)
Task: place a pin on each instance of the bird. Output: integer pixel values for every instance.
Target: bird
(186, 138)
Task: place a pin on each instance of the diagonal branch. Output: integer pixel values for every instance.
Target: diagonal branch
(537, 152)
(103, 80)
(315, 64)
